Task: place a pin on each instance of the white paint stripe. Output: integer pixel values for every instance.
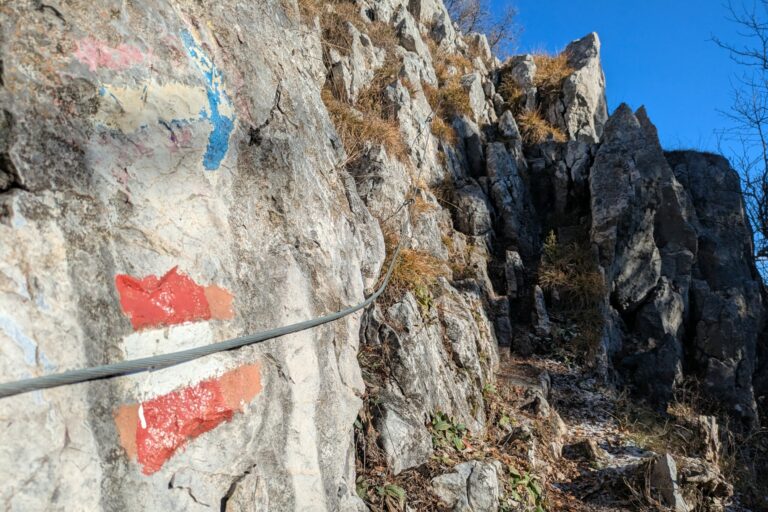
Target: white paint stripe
(152, 342)
(141, 417)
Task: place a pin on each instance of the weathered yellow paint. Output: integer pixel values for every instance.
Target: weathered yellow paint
(129, 108)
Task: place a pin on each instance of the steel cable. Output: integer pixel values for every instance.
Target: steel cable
(182, 356)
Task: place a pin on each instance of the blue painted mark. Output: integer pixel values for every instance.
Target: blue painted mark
(25, 343)
(218, 140)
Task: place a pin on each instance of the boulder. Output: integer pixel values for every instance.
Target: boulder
(664, 480)
(472, 487)
(508, 127)
(403, 433)
(586, 449)
(473, 85)
(409, 35)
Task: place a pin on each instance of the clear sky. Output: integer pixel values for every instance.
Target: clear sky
(656, 53)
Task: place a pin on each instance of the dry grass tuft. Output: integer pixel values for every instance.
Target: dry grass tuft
(551, 70)
(372, 99)
(443, 131)
(333, 22)
(415, 271)
(446, 64)
(510, 91)
(382, 35)
(334, 17)
(308, 10)
(371, 119)
(450, 98)
(356, 128)
(535, 129)
(421, 206)
(571, 271)
(446, 101)
(449, 65)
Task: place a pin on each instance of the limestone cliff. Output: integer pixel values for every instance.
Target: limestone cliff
(174, 173)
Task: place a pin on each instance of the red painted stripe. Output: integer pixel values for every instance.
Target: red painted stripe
(174, 419)
(172, 299)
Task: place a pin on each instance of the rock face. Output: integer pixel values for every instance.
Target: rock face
(664, 479)
(675, 244)
(726, 306)
(174, 174)
(164, 163)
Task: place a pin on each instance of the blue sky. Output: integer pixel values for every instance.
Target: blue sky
(655, 53)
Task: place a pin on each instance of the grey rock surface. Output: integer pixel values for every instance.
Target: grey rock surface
(674, 242)
(473, 214)
(508, 127)
(727, 309)
(586, 109)
(511, 199)
(542, 325)
(472, 487)
(664, 480)
(403, 433)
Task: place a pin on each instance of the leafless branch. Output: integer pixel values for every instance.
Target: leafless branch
(746, 141)
(499, 25)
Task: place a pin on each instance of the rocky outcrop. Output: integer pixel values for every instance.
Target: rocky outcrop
(578, 106)
(584, 109)
(677, 275)
(727, 313)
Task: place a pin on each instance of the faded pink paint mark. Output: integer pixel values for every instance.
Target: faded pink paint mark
(97, 54)
(180, 139)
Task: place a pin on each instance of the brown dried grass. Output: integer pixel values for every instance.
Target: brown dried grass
(510, 90)
(335, 15)
(414, 271)
(551, 70)
(571, 271)
(355, 128)
(447, 101)
(535, 129)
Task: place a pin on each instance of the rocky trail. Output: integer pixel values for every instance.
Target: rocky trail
(610, 459)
